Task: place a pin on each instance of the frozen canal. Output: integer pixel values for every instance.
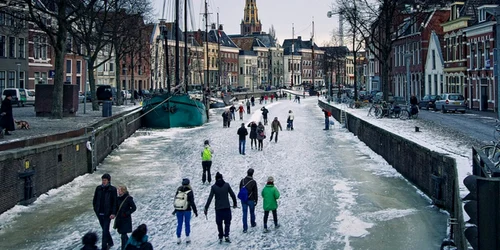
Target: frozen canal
(335, 192)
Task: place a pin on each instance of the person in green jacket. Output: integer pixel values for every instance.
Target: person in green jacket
(270, 196)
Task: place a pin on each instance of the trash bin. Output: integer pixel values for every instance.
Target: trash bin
(107, 108)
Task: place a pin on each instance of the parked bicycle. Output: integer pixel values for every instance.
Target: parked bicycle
(409, 112)
(374, 110)
(492, 151)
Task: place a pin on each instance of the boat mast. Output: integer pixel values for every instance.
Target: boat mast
(177, 63)
(207, 83)
(185, 45)
(219, 36)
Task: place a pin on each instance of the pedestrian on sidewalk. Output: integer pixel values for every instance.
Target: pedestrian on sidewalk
(250, 201)
(221, 190)
(270, 196)
(242, 133)
(6, 115)
(89, 241)
(206, 162)
(105, 198)
(184, 204)
(327, 118)
(253, 134)
(123, 220)
(261, 135)
(139, 239)
(275, 125)
(248, 107)
(264, 114)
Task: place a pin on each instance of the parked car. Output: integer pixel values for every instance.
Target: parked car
(18, 96)
(30, 97)
(81, 98)
(451, 102)
(428, 102)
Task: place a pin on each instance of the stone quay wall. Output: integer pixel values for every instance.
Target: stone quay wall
(37, 165)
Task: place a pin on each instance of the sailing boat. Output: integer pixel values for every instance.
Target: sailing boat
(174, 109)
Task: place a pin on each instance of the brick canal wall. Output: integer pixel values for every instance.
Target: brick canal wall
(433, 173)
(46, 163)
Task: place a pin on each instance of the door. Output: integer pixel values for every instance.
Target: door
(484, 98)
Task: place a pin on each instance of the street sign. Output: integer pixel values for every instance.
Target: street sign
(52, 73)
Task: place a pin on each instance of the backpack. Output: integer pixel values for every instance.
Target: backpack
(207, 154)
(181, 200)
(243, 194)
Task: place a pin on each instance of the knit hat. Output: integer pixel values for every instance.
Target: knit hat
(218, 176)
(106, 176)
(250, 172)
(185, 181)
(207, 142)
(270, 179)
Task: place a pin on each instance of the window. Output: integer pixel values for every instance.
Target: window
(40, 47)
(43, 47)
(433, 59)
(78, 80)
(11, 80)
(472, 56)
(2, 18)
(68, 66)
(12, 47)
(3, 46)
(44, 77)
(480, 61)
(111, 67)
(2, 79)
(21, 48)
(21, 79)
(78, 67)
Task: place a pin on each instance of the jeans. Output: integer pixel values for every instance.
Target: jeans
(206, 171)
(327, 123)
(223, 216)
(245, 206)
(104, 221)
(275, 217)
(186, 217)
(242, 146)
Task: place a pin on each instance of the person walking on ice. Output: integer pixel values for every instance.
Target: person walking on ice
(241, 110)
(220, 190)
(242, 134)
(206, 162)
(248, 195)
(184, 204)
(275, 125)
(270, 196)
(123, 220)
(264, 114)
(289, 120)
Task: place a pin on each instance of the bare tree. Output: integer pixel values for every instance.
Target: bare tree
(380, 22)
(54, 18)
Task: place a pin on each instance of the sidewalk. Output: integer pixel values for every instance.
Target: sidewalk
(43, 126)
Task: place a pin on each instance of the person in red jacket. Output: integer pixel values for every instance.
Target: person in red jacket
(241, 110)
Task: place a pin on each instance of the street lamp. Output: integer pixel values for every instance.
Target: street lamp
(87, 59)
(19, 75)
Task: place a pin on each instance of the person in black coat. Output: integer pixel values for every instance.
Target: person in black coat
(253, 134)
(104, 203)
(7, 118)
(264, 114)
(89, 240)
(123, 220)
(242, 134)
(185, 215)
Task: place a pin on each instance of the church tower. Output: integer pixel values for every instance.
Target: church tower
(250, 22)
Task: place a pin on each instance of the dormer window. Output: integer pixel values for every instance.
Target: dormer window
(482, 15)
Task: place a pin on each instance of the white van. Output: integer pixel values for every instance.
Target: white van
(18, 95)
(30, 97)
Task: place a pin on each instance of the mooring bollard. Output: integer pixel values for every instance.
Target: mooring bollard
(417, 129)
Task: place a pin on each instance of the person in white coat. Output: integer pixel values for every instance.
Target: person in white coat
(289, 120)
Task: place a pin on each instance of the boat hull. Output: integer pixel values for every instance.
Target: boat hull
(182, 111)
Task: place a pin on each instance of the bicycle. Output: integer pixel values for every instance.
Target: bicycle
(389, 110)
(409, 112)
(493, 151)
(374, 110)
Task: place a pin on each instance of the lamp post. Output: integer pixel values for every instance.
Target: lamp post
(86, 58)
(408, 90)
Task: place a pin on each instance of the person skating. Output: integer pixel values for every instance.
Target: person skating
(242, 134)
(233, 109)
(327, 118)
(261, 135)
(225, 118)
(123, 220)
(289, 120)
(241, 110)
(264, 114)
(206, 162)
(251, 186)
(253, 134)
(270, 196)
(275, 125)
(220, 190)
(184, 204)
(104, 203)
(248, 107)
(139, 239)
(252, 100)
(6, 115)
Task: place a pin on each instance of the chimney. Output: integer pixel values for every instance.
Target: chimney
(213, 26)
(221, 27)
(299, 38)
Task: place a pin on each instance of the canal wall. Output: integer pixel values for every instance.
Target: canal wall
(35, 165)
(433, 173)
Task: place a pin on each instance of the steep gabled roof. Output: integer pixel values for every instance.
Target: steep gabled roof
(225, 40)
(470, 7)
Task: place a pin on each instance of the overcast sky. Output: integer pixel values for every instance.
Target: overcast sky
(280, 13)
